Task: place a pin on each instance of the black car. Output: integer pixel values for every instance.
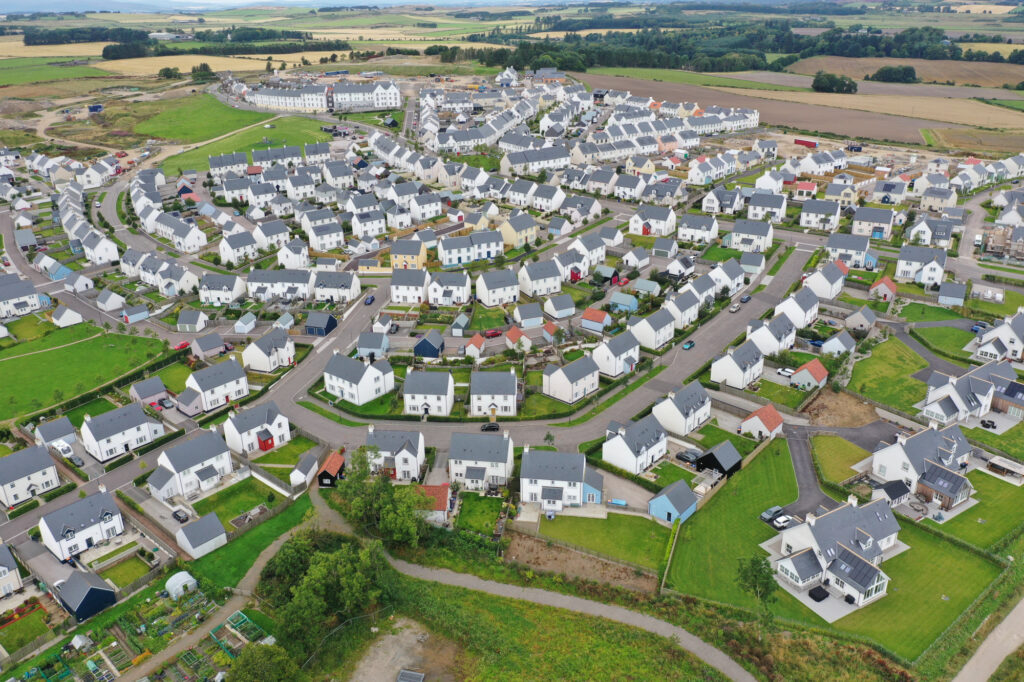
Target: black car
(744, 298)
(180, 516)
(394, 328)
(166, 403)
(76, 460)
(688, 456)
(490, 426)
(988, 423)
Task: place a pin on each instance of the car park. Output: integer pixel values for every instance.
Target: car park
(770, 513)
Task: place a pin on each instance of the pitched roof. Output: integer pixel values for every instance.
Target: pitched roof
(679, 495)
(195, 451)
(202, 530)
(768, 415)
(22, 463)
(816, 369)
(479, 447)
(884, 281)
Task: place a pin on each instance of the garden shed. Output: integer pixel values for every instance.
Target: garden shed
(180, 583)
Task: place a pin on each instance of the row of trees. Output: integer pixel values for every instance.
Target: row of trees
(87, 34)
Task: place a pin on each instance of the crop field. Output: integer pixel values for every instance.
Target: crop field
(13, 46)
(939, 70)
(73, 88)
(691, 77)
(287, 130)
(973, 139)
(1002, 48)
(149, 66)
(40, 70)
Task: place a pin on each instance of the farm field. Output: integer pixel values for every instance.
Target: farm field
(149, 66)
(986, 74)
(691, 77)
(40, 70)
(13, 46)
(192, 119)
(970, 138)
(287, 130)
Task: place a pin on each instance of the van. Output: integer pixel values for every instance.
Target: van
(979, 239)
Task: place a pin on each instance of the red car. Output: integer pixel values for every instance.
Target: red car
(492, 333)
(156, 406)
(182, 346)
(121, 155)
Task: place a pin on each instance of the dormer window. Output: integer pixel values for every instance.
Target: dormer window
(69, 534)
(106, 517)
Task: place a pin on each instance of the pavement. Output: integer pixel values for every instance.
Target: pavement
(1005, 639)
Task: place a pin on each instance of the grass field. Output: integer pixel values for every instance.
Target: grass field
(239, 498)
(720, 253)
(506, 639)
(486, 318)
(174, 376)
(18, 138)
(630, 538)
(668, 473)
(193, 119)
(885, 376)
(1000, 509)
(783, 395)
(126, 572)
(836, 457)
(227, 565)
(688, 77)
(30, 382)
(288, 453)
(14, 46)
(22, 631)
(30, 327)
(91, 408)
(919, 312)
(20, 71)
(287, 130)
(478, 513)
(987, 74)
(948, 339)
(711, 435)
(1011, 441)
(50, 338)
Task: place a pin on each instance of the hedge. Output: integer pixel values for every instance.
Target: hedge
(123, 496)
(23, 509)
(650, 486)
(938, 351)
(141, 480)
(153, 445)
(75, 470)
(118, 462)
(57, 492)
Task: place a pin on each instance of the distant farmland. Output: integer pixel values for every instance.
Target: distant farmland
(987, 74)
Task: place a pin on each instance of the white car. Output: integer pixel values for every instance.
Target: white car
(782, 522)
(63, 449)
(785, 371)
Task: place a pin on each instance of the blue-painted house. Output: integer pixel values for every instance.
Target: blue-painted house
(135, 313)
(373, 344)
(675, 502)
(430, 346)
(320, 324)
(621, 302)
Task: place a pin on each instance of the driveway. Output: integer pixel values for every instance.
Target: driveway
(935, 362)
(620, 489)
(811, 497)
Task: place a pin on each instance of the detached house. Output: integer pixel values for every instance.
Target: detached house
(768, 207)
(659, 221)
(493, 394)
(213, 387)
(617, 355)
(479, 460)
(819, 214)
(738, 367)
(358, 382)
(951, 398)
(875, 223)
(684, 410)
(800, 307)
(74, 528)
(542, 278)
(573, 382)
(921, 264)
(497, 287)
(260, 428)
(409, 286)
(556, 480)
(112, 434)
(188, 469)
(826, 282)
(1003, 341)
(427, 393)
(749, 236)
(929, 462)
(699, 229)
(26, 473)
(772, 336)
(398, 454)
(636, 446)
(850, 249)
(653, 331)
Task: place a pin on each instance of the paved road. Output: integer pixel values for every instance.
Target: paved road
(811, 496)
(1006, 638)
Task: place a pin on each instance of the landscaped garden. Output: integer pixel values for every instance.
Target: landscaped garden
(125, 572)
(92, 408)
(886, 376)
(1000, 509)
(174, 376)
(18, 633)
(711, 435)
(1010, 441)
(478, 513)
(288, 453)
(836, 456)
(620, 536)
(721, 253)
(949, 340)
(486, 318)
(236, 500)
(668, 473)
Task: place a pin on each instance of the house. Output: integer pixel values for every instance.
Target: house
(426, 393)
(148, 390)
(684, 309)
(723, 458)
(752, 264)
(875, 223)
(681, 267)
(493, 394)
(542, 278)
(556, 480)
(862, 319)
(596, 320)
(883, 288)
(336, 287)
(238, 247)
(560, 307)
(108, 301)
(801, 307)
(728, 276)
(10, 575)
(119, 431)
(636, 446)
(320, 324)
(698, 229)
(400, 455)
(188, 469)
(260, 428)
(773, 336)
(409, 286)
(75, 527)
(767, 207)
(25, 474)
(479, 460)
(618, 355)
(738, 367)
(529, 315)
(675, 503)
(653, 331)
(659, 221)
(929, 462)
(573, 382)
(749, 236)
(53, 431)
(809, 376)
(930, 231)
(358, 382)
(826, 282)
(839, 343)
(305, 471)
(921, 264)
(331, 471)
(202, 536)
(1004, 340)
(431, 346)
(763, 423)
(372, 345)
(519, 230)
(62, 317)
(497, 287)
(841, 548)
(683, 410)
(850, 249)
(206, 347)
(218, 385)
(84, 594)
(637, 258)
(216, 289)
(408, 253)
(994, 385)
(271, 351)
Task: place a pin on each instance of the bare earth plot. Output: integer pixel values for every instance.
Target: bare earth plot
(794, 114)
(870, 88)
(985, 74)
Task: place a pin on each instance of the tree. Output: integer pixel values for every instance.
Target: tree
(370, 500)
(756, 577)
(169, 72)
(264, 663)
(549, 438)
(830, 82)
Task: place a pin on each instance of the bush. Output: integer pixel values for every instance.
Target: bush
(57, 492)
(23, 509)
(118, 462)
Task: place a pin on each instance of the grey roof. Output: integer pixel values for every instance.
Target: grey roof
(638, 435)
(81, 513)
(845, 339)
(867, 313)
(419, 382)
(943, 480)
(746, 354)
(195, 451)
(528, 311)
(76, 588)
(821, 206)
(116, 421)
(317, 319)
(621, 343)
(149, 387)
(577, 369)
(308, 462)
(832, 273)
(544, 269)
(553, 466)
(805, 298)
(562, 302)
(923, 254)
(373, 340)
(732, 269)
(726, 455)
(432, 337)
(498, 279)
(679, 494)
(952, 290)
(873, 215)
(394, 441)
(55, 428)
(209, 342)
(406, 247)
(806, 564)
(7, 559)
(412, 277)
(854, 569)
(189, 316)
(492, 383)
(690, 398)
(659, 319)
(272, 340)
(757, 228)
(218, 375)
(850, 525)
(352, 370)
(255, 417)
(697, 222)
(203, 529)
(479, 447)
(476, 473)
(160, 477)
(767, 200)
(22, 463)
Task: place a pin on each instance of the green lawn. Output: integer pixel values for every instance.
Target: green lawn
(538, 405)
(387, 404)
(630, 538)
(288, 453)
(227, 565)
(174, 376)
(91, 408)
(668, 473)
(774, 270)
(486, 318)
(489, 163)
(688, 77)
(239, 498)
(535, 377)
(281, 473)
(783, 395)
(885, 376)
(22, 631)
(713, 540)
(1010, 441)
(24, 70)
(836, 456)
(711, 435)
(1000, 509)
(194, 119)
(478, 513)
(126, 572)
(45, 336)
(5, 449)
(1011, 301)
(919, 312)
(721, 253)
(30, 327)
(30, 383)
(290, 130)
(948, 339)
(110, 555)
(572, 355)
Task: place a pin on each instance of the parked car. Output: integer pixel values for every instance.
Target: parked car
(745, 298)
(229, 346)
(770, 513)
(76, 460)
(817, 343)
(182, 346)
(489, 426)
(981, 324)
(977, 328)
(688, 345)
(180, 516)
(735, 308)
(782, 522)
(785, 371)
(156, 406)
(166, 403)
(368, 300)
(96, 204)
(688, 456)
(394, 328)
(492, 334)
(63, 449)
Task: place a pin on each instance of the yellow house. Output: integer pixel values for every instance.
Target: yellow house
(639, 164)
(408, 254)
(477, 221)
(519, 230)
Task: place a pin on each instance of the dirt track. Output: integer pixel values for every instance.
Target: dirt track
(777, 112)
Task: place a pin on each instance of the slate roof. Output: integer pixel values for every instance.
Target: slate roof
(55, 428)
(255, 417)
(492, 383)
(418, 382)
(195, 451)
(575, 370)
(679, 494)
(149, 387)
(553, 466)
(218, 375)
(849, 526)
(479, 447)
(22, 463)
(638, 435)
(204, 529)
(394, 441)
(81, 513)
(122, 419)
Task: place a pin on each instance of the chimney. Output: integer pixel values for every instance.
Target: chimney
(102, 488)
(810, 519)
(369, 428)
(334, 352)
(504, 434)
(526, 448)
(851, 500)
(901, 438)
(622, 431)
(671, 395)
(86, 418)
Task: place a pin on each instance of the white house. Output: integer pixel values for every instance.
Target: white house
(929, 463)
(1004, 340)
(921, 264)
(217, 289)
(119, 431)
(497, 287)
(398, 454)
(409, 286)
(659, 221)
(684, 308)
(202, 536)
(273, 350)
(358, 382)
(555, 480)
(493, 394)
(26, 473)
(188, 469)
(801, 307)
(699, 229)
(636, 446)
(826, 282)
(684, 410)
(262, 428)
(428, 393)
(773, 336)
(738, 367)
(449, 288)
(74, 528)
(653, 331)
(573, 382)
(617, 355)
(477, 460)
(749, 236)
(820, 214)
(542, 278)
(218, 384)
